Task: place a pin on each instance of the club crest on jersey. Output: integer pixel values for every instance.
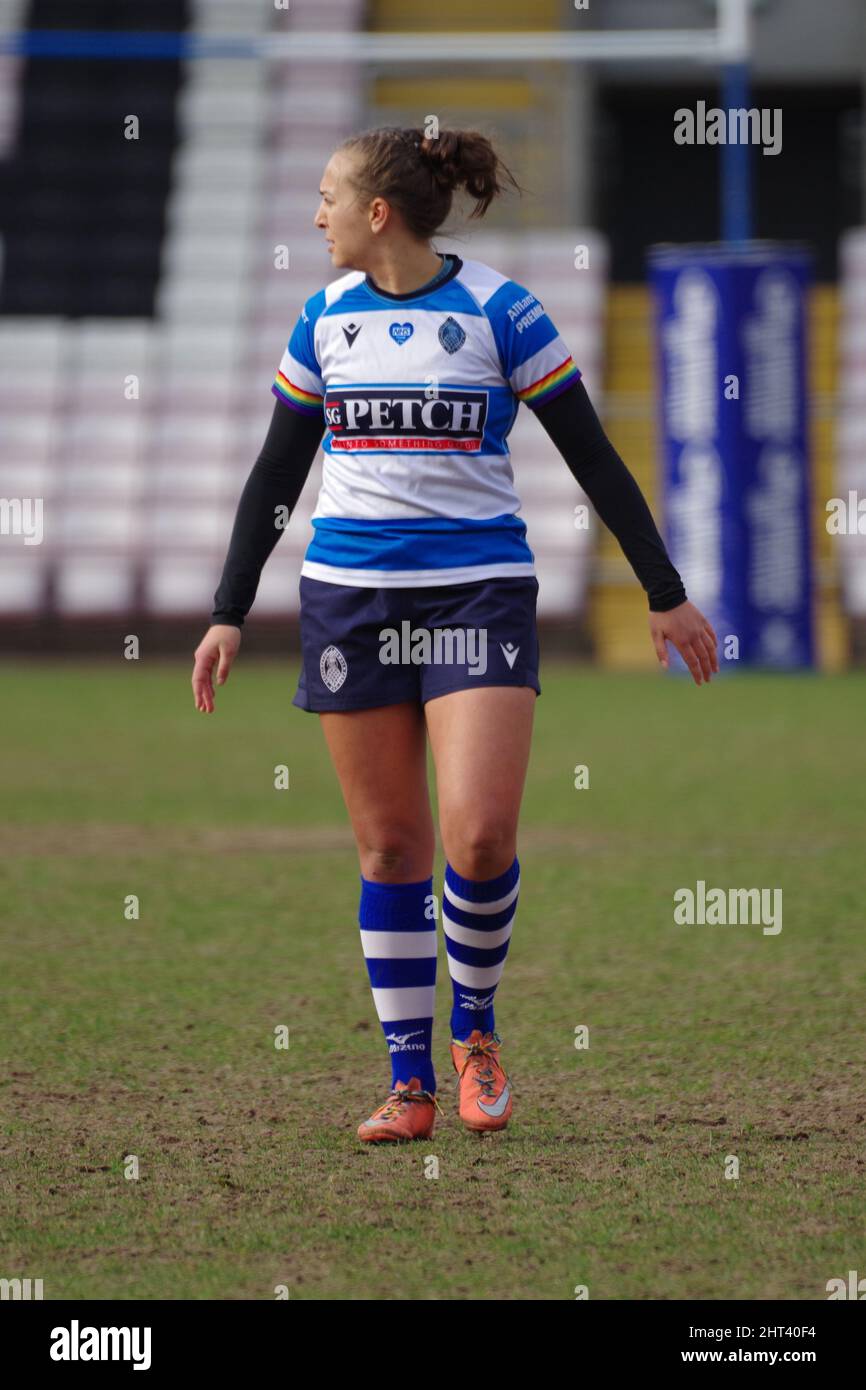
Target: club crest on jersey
(333, 668)
(401, 332)
(451, 335)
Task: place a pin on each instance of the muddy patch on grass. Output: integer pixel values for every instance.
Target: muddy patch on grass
(316, 1115)
(62, 840)
(71, 841)
(270, 1169)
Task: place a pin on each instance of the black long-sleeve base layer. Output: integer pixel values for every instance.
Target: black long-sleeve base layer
(269, 497)
(577, 432)
(283, 466)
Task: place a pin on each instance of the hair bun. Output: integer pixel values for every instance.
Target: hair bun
(442, 155)
(417, 173)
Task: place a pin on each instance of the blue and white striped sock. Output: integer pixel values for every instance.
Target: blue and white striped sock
(399, 944)
(477, 920)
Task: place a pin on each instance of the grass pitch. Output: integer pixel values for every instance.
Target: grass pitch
(155, 1037)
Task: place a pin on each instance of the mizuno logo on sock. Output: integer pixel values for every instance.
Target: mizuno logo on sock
(496, 1107)
(401, 1041)
(474, 1004)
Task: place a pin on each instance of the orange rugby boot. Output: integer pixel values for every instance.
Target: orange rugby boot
(408, 1113)
(484, 1090)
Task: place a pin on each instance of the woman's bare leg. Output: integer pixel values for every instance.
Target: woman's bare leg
(380, 757)
(480, 741)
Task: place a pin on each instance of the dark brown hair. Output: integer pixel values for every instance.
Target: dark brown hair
(418, 174)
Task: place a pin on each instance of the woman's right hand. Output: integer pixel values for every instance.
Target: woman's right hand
(219, 644)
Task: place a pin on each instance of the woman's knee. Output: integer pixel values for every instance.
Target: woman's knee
(395, 857)
(480, 849)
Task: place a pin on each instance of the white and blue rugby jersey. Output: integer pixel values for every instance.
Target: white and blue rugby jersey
(419, 392)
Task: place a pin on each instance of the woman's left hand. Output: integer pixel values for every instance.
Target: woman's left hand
(692, 636)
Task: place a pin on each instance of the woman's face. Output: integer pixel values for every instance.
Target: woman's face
(345, 222)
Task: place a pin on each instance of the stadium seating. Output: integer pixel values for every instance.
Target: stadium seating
(143, 429)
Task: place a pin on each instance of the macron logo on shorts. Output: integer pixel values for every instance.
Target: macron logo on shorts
(510, 652)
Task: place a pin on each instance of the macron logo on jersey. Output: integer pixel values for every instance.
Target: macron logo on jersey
(371, 417)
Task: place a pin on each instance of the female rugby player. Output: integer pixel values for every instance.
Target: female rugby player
(418, 589)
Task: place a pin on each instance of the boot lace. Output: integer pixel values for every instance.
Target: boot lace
(395, 1101)
(477, 1054)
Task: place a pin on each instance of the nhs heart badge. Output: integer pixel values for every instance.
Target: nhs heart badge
(401, 332)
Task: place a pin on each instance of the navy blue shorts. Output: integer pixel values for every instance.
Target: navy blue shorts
(367, 647)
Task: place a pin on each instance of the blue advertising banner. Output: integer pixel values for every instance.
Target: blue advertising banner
(730, 334)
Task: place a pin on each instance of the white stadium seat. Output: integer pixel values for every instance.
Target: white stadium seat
(22, 583)
(88, 585)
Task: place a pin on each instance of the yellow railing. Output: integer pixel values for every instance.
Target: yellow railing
(468, 15)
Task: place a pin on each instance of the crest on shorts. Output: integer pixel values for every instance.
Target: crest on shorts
(451, 335)
(333, 667)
